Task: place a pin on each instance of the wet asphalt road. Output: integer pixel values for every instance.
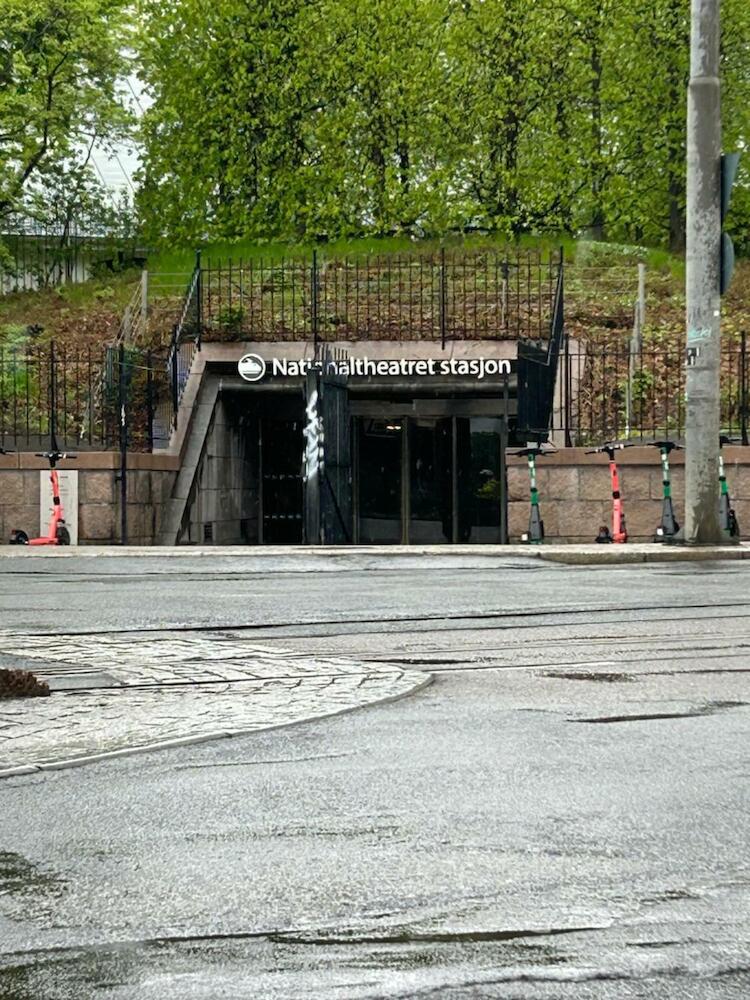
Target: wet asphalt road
(564, 813)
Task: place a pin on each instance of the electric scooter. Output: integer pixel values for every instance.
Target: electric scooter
(668, 527)
(535, 534)
(58, 533)
(619, 531)
(727, 516)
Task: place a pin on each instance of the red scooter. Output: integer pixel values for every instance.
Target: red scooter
(619, 531)
(58, 533)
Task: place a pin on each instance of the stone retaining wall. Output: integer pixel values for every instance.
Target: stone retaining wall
(150, 482)
(575, 493)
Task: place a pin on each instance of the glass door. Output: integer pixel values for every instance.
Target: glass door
(431, 499)
(430, 480)
(281, 481)
(480, 474)
(379, 461)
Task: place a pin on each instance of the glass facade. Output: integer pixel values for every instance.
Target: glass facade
(429, 480)
(433, 475)
(379, 467)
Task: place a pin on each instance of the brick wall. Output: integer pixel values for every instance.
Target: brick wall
(150, 480)
(575, 493)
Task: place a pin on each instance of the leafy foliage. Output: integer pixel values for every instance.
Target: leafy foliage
(291, 119)
(60, 61)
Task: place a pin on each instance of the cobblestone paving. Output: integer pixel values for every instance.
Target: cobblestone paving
(168, 686)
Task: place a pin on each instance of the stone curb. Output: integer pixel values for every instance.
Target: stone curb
(183, 741)
(572, 554)
(605, 555)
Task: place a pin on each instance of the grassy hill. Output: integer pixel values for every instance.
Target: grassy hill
(600, 282)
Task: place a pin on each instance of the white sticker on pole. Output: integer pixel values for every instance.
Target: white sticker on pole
(68, 479)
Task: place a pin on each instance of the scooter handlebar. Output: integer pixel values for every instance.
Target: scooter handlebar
(611, 447)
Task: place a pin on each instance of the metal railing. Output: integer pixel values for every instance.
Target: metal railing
(68, 250)
(442, 296)
(613, 393)
(186, 338)
(80, 395)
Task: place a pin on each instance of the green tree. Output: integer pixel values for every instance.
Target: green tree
(380, 138)
(61, 62)
(223, 136)
(285, 118)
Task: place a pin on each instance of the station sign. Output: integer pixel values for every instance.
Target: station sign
(253, 368)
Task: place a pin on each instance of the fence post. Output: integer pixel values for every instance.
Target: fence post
(173, 375)
(149, 402)
(314, 300)
(636, 344)
(123, 407)
(743, 386)
(198, 299)
(144, 302)
(52, 396)
(443, 298)
(568, 409)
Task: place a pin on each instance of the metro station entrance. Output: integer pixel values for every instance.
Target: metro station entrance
(287, 467)
(422, 479)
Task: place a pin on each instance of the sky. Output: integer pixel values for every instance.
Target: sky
(116, 171)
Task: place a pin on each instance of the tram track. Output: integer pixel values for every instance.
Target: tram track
(494, 648)
(589, 639)
(511, 618)
(435, 667)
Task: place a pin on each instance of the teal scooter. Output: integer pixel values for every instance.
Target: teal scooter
(727, 516)
(535, 534)
(668, 527)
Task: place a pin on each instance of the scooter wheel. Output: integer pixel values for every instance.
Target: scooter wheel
(18, 537)
(63, 535)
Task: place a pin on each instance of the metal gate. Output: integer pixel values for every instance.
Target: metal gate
(328, 453)
(537, 374)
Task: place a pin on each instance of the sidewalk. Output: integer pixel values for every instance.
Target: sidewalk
(578, 555)
(114, 696)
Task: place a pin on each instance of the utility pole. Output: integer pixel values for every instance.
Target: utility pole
(703, 268)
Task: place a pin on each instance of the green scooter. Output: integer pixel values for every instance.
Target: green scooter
(535, 534)
(668, 527)
(727, 516)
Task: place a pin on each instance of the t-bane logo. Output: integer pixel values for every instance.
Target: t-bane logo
(251, 367)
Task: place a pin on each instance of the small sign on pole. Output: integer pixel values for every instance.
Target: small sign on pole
(68, 479)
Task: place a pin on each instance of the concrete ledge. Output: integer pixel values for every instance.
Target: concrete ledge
(85, 460)
(12, 772)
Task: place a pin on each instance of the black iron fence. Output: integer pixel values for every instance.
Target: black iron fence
(601, 393)
(37, 254)
(186, 338)
(488, 294)
(608, 393)
(82, 397)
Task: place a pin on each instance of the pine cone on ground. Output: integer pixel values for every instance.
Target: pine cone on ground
(21, 684)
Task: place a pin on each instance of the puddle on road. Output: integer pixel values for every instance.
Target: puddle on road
(419, 957)
(21, 877)
(711, 708)
(601, 677)
(28, 893)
